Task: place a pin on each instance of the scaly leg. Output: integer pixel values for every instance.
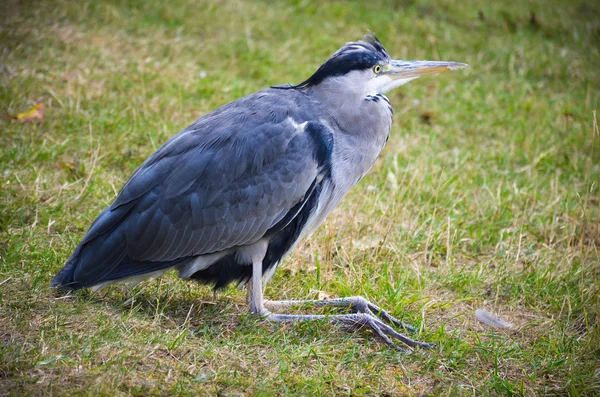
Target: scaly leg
(255, 293)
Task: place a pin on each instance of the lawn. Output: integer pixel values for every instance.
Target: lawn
(485, 197)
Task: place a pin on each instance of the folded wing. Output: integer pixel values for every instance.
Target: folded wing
(228, 180)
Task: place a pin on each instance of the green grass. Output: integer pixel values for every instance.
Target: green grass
(486, 196)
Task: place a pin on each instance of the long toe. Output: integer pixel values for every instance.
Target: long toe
(362, 305)
(389, 318)
(383, 330)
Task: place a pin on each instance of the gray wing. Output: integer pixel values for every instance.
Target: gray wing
(225, 181)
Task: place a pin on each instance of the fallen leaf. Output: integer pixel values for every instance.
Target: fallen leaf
(37, 112)
(322, 295)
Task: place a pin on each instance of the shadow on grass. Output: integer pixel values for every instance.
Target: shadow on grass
(225, 318)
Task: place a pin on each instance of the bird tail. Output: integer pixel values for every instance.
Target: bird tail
(102, 249)
(66, 277)
(102, 255)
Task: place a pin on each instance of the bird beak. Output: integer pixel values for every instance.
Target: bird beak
(413, 69)
(401, 72)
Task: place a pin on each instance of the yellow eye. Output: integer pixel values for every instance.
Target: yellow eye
(377, 69)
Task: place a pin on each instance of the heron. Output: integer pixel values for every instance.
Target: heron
(227, 198)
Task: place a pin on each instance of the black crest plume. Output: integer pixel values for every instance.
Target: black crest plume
(359, 55)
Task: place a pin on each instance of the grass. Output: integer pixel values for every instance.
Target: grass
(486, 196)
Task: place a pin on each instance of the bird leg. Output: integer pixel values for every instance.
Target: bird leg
(364, 316)
(255, 293)
(249, 293)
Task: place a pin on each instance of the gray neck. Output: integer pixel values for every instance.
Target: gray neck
(361, 125)
(356, 111)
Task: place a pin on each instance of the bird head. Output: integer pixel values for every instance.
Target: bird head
(365, 66)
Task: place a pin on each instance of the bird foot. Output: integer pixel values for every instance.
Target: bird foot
(356, 304)
(366, 314)
(357, 321)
